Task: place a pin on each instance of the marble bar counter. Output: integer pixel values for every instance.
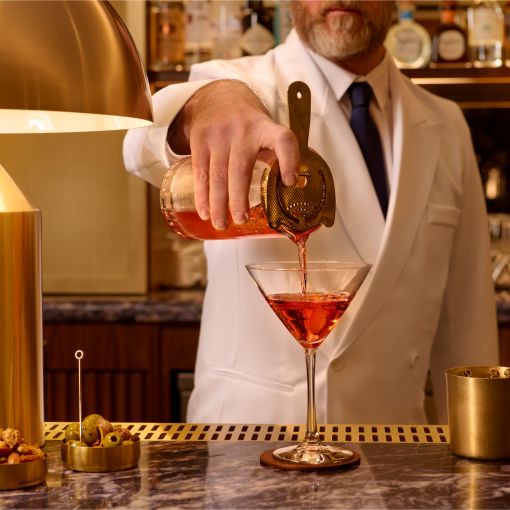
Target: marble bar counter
(171, 306)
(416, 472)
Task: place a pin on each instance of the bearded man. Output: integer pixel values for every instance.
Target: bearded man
(427, 303)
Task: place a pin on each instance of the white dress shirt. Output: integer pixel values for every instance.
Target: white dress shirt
(380, 108)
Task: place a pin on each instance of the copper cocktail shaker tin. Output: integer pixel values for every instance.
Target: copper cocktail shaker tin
(274, 207)
(479, 411)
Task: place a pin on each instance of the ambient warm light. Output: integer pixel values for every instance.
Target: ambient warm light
(11, 197)
(72, 57)
(67, 66)
(37, 121)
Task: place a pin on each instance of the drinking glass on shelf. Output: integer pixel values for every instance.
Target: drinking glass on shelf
(310, 303)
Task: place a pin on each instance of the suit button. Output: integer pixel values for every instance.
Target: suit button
(413, 361)
(337, 365)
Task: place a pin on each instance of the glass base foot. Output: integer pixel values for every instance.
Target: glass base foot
(315, 454)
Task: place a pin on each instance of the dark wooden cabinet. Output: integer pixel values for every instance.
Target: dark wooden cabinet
(178, 352)
(504, 344)
(129, 370)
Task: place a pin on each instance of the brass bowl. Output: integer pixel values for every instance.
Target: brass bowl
(27, 474)
(99, 459)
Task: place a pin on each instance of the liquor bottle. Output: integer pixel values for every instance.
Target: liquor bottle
(506, 15)
(449, 41)
(226, 29)
(486, 34)
(282, 21)
(167, 36)
(407, 41)
(198, 32)
(257, 39)
(265, 11)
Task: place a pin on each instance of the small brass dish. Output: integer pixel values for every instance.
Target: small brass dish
(100, 459)
(27, 474)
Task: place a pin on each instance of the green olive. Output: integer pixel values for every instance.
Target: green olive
(112, 439)
(90, 434)
(124, 432)
(89, 428)
(104, 426)
(91, 419)
(72, 432)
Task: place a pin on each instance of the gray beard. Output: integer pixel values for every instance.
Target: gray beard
(325, 43)
(343, 37)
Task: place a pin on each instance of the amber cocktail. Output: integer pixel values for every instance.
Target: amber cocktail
(310, 303)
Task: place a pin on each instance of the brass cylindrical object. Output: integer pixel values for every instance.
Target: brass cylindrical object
(26, 474)
(21, 357)
(478, 411)
(101, 460)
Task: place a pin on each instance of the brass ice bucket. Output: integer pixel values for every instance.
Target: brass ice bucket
(479, 411)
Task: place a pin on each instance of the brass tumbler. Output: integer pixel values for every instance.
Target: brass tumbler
(21, 357)
(479, 411)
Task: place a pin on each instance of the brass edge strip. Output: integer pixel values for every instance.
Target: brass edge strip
(359, 433)
(461, 80)
(465, 105)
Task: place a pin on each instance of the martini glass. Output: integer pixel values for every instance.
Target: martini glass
(310, 303)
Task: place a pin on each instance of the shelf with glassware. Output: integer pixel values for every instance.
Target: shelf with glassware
(467, 86)
(183, 32)
(448, 37)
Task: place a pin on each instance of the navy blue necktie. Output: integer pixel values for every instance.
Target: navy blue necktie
(367, 135)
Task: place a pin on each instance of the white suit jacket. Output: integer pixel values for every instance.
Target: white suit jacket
(427, 302)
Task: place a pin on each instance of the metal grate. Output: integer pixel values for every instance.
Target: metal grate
(239, 432)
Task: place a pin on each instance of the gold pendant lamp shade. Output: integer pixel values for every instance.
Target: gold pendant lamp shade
(69, 66)
(66, 66)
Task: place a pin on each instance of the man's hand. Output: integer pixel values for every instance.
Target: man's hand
(225, 126)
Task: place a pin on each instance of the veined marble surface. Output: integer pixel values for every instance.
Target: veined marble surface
(228, 475)
(172, 306)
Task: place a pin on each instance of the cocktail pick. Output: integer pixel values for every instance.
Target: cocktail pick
(79, 355)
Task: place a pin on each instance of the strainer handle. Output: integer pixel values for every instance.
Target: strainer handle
(299, 99)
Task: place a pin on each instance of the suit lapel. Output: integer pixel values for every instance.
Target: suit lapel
(358, 209)
(416, 147)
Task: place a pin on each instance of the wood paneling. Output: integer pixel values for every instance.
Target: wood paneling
(120, 370)
(504, 345)
(178, 353)
(129, 370)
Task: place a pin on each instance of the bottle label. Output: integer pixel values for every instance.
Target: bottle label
(226, 29)
(257, 40)
(486, 26)
(452, 45)
(170, 26)
(408, 45)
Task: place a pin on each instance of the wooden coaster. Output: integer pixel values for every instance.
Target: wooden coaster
(268, 459)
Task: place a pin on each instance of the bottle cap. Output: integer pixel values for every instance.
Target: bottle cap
(448, 5)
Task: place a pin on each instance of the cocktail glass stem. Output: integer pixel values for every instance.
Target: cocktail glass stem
(312, 436)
